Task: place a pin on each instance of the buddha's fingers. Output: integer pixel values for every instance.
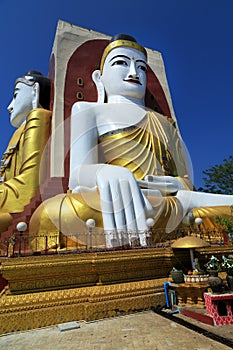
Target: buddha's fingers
(122, 202)
(128, 205)
(167, 184)
(135, 206)
(107, 207)
(162, 186)
(118, 206)
(113, 206)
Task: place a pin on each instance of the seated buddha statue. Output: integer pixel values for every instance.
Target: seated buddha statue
(128, 163)
(20, 164)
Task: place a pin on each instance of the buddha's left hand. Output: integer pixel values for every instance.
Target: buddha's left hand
(164, 184)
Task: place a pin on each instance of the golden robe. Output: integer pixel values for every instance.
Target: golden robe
(20, 169)
(153, 147)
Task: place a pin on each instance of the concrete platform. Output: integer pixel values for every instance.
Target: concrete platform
(144, 331)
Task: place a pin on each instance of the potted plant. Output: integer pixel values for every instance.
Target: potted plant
(215, 282)
(227, 266)
(213, 266)
(177, 275)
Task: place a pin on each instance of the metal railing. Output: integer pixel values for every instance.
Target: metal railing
(22, 244)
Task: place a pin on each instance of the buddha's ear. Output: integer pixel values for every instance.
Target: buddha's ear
(35, 95)
(99, 86)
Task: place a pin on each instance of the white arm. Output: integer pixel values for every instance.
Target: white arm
(83, 141)
(191, 200)
(167, 185)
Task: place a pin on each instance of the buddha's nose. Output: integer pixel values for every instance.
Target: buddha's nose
(10, 107)
(133, 71)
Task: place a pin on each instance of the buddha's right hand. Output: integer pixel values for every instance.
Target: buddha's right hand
(122, 202)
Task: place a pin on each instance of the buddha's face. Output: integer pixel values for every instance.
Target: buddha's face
(124, 73)
(21, 104)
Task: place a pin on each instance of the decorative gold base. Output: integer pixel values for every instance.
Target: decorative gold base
(34, 310)
(64, 271)
(47, 290)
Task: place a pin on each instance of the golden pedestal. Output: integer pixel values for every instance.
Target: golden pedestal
(48, 290)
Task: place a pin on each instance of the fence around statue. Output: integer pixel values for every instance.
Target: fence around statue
(50, 242)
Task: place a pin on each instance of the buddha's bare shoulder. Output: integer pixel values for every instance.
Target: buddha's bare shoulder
(82, 106)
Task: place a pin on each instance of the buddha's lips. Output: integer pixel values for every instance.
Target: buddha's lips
(135, 81)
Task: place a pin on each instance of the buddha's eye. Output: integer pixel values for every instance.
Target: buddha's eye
(143, 68)
(120, 63)
(15, 94)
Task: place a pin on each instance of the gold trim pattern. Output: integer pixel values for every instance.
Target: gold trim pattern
(34, 310)
(47, 290)
(44, 273)
(101, 285)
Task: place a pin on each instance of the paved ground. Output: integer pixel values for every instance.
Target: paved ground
(222, 331)
(144, 331)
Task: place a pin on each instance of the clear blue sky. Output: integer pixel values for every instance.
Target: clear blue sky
(195, 38)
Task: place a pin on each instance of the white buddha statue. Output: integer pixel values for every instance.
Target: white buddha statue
(20, 164)
(127, 163)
